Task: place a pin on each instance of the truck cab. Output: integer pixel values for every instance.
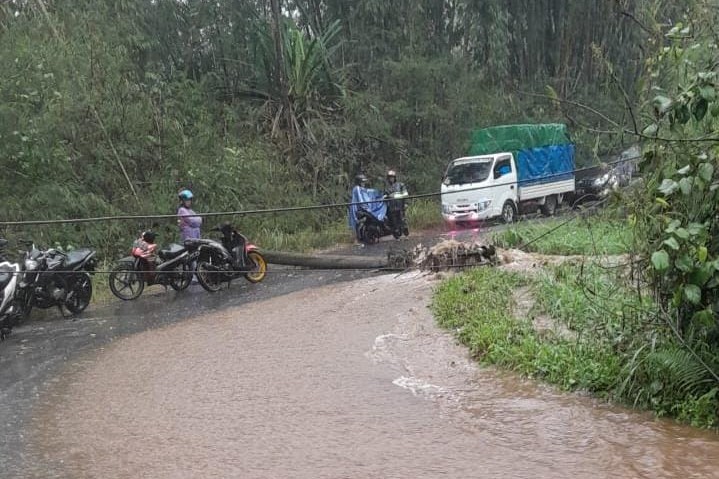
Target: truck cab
(476, 188)
(510, 168)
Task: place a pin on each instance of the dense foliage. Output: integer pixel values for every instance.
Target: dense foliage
(676, 215)
(108, 107)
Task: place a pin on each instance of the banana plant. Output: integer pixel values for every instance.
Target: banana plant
(307, 84)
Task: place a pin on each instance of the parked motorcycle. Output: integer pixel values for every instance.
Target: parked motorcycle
(11, 308)
(55, 278)
(371, 228)
(148, 265)
(222, 261)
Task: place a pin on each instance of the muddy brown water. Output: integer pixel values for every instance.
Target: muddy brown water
(346, 381)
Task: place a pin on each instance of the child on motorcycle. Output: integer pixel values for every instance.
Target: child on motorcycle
(145, 247)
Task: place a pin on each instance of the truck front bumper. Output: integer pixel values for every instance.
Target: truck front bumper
(465, 217)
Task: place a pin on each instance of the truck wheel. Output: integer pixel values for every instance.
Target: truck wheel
(509, 212)
(550, 206)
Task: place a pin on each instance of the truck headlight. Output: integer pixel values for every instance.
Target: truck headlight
(445, 209)
(483, 205)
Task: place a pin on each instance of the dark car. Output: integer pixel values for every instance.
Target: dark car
(597, 182)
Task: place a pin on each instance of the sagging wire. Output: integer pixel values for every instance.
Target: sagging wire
(286, 270)
(289, 208)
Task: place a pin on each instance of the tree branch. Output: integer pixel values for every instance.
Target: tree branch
(631, 16)
(704, 139)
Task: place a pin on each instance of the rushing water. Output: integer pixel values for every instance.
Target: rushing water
(350, 380)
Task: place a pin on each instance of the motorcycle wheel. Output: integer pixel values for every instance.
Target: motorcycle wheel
(181, 277)
(81, 291)
(125, 283)
(371, 236)
(209, 276)
(259, 271)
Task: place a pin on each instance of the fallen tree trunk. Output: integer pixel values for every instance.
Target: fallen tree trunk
(325, 261)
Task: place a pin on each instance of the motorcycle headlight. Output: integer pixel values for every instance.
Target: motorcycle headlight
(30, 265)
(602, 180)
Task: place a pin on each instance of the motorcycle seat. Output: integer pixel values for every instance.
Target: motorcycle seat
(171, 251)
(77, 257)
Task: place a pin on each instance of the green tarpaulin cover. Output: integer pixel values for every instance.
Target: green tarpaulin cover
(512, 138)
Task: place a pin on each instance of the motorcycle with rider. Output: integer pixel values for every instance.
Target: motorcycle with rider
(395, 193)
(374, 213)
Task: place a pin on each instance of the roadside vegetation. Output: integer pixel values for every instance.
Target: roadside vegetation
(110, 107)
(591, 235)
(586, 331)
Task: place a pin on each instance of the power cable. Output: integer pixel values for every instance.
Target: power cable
(286, 209)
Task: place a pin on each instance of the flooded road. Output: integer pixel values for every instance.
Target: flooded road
(346, 380)
(38, 351)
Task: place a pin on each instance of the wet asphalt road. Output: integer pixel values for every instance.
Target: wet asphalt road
(35, 351)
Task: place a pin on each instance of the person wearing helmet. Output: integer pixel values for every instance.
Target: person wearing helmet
(187, 219)
(396, 192)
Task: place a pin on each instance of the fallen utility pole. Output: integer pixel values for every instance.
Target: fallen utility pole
(325, 261)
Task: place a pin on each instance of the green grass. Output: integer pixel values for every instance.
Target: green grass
(101, 294)
(478, 305)
(591, 236)
(276, 238)
(424, 214)
(618, 351)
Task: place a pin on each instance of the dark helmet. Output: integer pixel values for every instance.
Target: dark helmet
(185, 195)
(149, 236)
(360, 179)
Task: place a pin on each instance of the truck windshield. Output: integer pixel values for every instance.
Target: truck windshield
(469, 172)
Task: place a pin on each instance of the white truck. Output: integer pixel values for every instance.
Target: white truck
(511, 169)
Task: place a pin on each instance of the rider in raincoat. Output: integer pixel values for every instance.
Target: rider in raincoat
(369, 199)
